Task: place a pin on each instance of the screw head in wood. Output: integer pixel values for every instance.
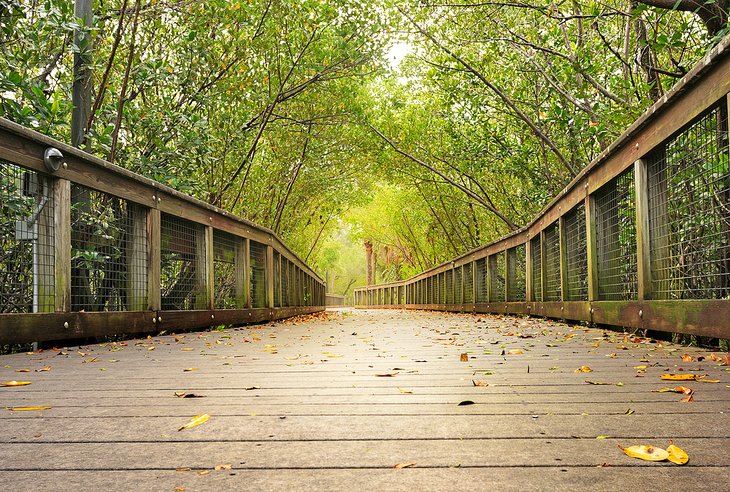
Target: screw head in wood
(212, 316)
(154, 320)
(65, 324)
(641, 313)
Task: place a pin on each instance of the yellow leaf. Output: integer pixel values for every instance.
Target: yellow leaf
(641, 367)
(203, 472)
(648, 453)
(405, 391)
(677, 455)
(22, 370)
(405, 465)
(227, 466)
(26, 409)
(679, 377)
(603, 437)
(190, 369)
(15, 383)
(43, 369)
(197, 420)
(687, 358)
(584, 369)
(187, 349)
(516, 352)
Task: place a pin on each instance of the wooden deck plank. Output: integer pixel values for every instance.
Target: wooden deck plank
(300, 405)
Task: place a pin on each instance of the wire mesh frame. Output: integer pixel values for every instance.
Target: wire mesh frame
(689, 212)
(27, 241)
(469, 283)
(449, 282)
(480, 281)
(258, 274)
(277, 279)
(285, 283)
(497, 272)
(576, 255)
(615, 226)
(108, 252)
(182, 264)
(458, 285)
(225, 246)
(516, 274)
(536, 264)
(551, 262)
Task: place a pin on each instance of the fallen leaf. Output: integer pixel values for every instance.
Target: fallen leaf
(188, 395)
(688, 399)
(679, 377)
(465, 402)
(678, 389)
(477, 382)
(26, 409)
(464, 358)
(603, 437)
(641, 367)
(584, 369)
(628, 412)
(249, 388)
(203, 472)
(386, 375)
(184, 469)
(226, 466)
(596, 382)
(410, 464)
(187, 349)
(703, 380)
(687, 358)
(22, 370)
(189, 369)
(197, 420)
(677, 455)
(16, 383)
(516, 352)
(43, 369)
(405, 391)
(648, 453)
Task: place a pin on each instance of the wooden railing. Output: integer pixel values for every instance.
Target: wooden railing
(640, 238)
(89, 249)
(334, 300)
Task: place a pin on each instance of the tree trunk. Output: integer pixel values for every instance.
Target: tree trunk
(370, 264)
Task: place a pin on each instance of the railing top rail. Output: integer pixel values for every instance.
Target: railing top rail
(719, 53)
(397, 283)
(20, 153)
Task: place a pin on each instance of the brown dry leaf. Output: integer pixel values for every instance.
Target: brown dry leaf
(687, 358)
(195, 421)
(477, 382)
(679, 377)
(465, 402)
(688, 399)
(386, 375)
(15, 383)
(677, 454)
(203, 472)
(704, 380)
(26, 409)
(189, 369)
(43, 369)
(596, 382)
(584, 369)
(226, 466)
(184, 469)
(464, 358)
(679, 389)
(409, 464)
(182, 394)
(648, 453)
(22, 370)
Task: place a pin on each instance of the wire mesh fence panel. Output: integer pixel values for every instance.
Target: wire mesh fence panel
(449, 279)
(285, 302)
(616, 239)
(576, 255)
(480, 271)
(458, 285)
(469, 283)
(182, 263)
(551, 262)
(224, 269)
(517, 274)
(277, 279)
(429, 290)
(498, 272)
(536, 252)
(27, 239)
(258, 275)
(108, 252)
(689, 212)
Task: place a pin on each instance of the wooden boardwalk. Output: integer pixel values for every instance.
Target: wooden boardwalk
(336, 401)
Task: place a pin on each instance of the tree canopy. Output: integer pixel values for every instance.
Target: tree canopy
(294, 114)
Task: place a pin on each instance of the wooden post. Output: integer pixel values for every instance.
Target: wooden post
(240, 269)
(643, 256)
(562, 239)
(591, 246)
(137, 290)
(269, 276)
(154, 259)
(61, 196)
(529, 294)
(204, 275)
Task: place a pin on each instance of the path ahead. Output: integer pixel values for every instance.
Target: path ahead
(335, 401)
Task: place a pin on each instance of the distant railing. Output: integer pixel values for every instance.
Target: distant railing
(333, 300)
(640, 238)
(89, 249)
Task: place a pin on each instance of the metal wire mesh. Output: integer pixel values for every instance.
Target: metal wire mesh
(277, 279)
(458, 285)
(551, 262)
(285, 295)
(442, 289)
(517, 274)
(469, 283)
(108, 252)
(480, 267)
(449, 275)
(616, 239)
(536, 269)
(689, 212)
(182, 265)
(27, 239)
(258, 275)
(576, 255)
(224, 269)
(497, 271)
(429, 289)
